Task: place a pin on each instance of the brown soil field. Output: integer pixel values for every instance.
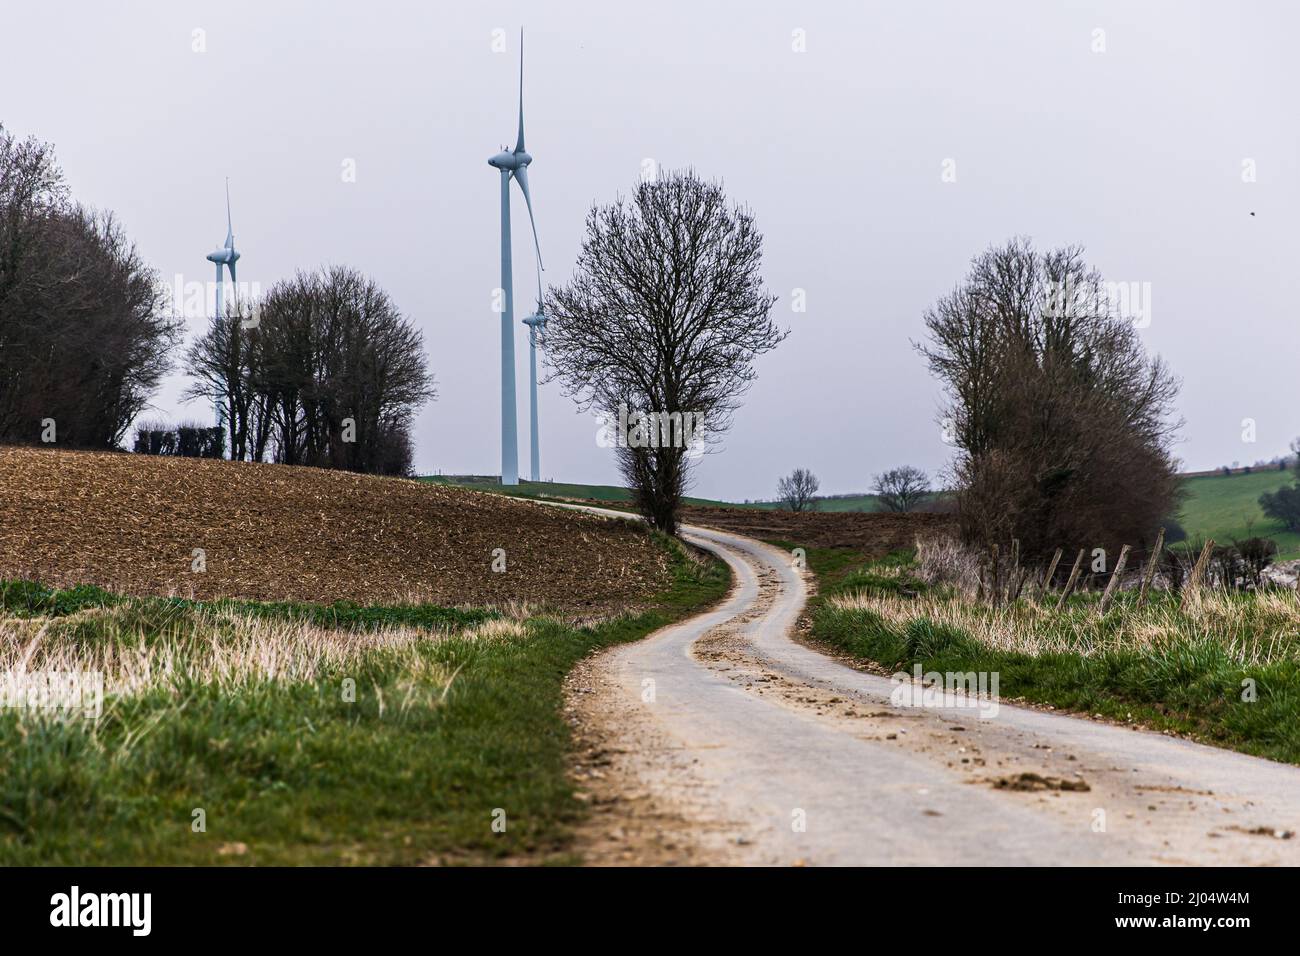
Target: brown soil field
(131, 523)
(874, 533)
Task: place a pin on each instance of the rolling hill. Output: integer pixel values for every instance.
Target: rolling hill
(1224, 507)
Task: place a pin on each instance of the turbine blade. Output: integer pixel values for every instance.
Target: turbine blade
(232, 272)
(521, 176)
(519, 145)
(230, 228)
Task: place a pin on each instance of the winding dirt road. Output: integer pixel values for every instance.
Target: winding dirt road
(722, 739)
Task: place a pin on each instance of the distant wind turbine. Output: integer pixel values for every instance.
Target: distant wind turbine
(512, 163)
(226, 255)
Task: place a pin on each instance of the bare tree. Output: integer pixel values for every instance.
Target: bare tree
(902, 488)
(1064, 425)
(797, 490)
(661, 322)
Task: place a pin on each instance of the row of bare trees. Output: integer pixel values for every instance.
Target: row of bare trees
(83, 339)
(325, 370)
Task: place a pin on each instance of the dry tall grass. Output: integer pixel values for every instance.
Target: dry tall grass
(943, 560)
(1252, 629)
(141, 650)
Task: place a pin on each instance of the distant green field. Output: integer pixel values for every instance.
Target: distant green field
(1221, 507)
(1224, 507)
(562, 489)
(554, 489)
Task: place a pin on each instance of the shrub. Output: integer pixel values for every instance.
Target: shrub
(1064, 424)
(1283, 505)
(1256, 555)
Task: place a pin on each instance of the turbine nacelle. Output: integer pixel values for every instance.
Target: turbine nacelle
(226, 255)
(510, 159)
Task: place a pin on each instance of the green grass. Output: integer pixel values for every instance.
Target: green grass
(1218, 506)
(559, 489)
(32, 599)
(445, 729)
(1226, 507)
(1188, 680)
(616, 494)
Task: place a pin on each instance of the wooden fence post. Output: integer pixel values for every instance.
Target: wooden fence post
(995, 586)
(1113, 583)
(1073, 580)
(1051, 572)
(1013, 582)
(1193, 585)
(1150, 573)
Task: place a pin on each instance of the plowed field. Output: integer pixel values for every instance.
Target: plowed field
(145, 525)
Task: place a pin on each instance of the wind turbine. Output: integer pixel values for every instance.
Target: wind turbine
(513, 164)
(225, 256)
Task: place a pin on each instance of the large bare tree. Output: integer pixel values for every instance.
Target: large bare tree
(1064, 425)
(663, 317)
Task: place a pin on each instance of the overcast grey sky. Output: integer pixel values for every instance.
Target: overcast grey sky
(1136, 152)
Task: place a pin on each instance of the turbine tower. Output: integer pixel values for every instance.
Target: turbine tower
(536, 323)
(513, 164)
(226, 256)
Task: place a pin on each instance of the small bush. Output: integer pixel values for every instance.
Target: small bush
(1283, 505)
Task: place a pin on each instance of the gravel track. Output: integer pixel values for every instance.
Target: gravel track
(723, 739)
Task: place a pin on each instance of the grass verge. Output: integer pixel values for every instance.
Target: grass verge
(297, 734)
(1224, 671)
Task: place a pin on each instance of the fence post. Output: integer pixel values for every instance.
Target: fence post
(995, 586)
(1150, 573)
(1193, 585)
(1051, 572)
(1013, 582)
(1114, 580)
(1074, 579)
